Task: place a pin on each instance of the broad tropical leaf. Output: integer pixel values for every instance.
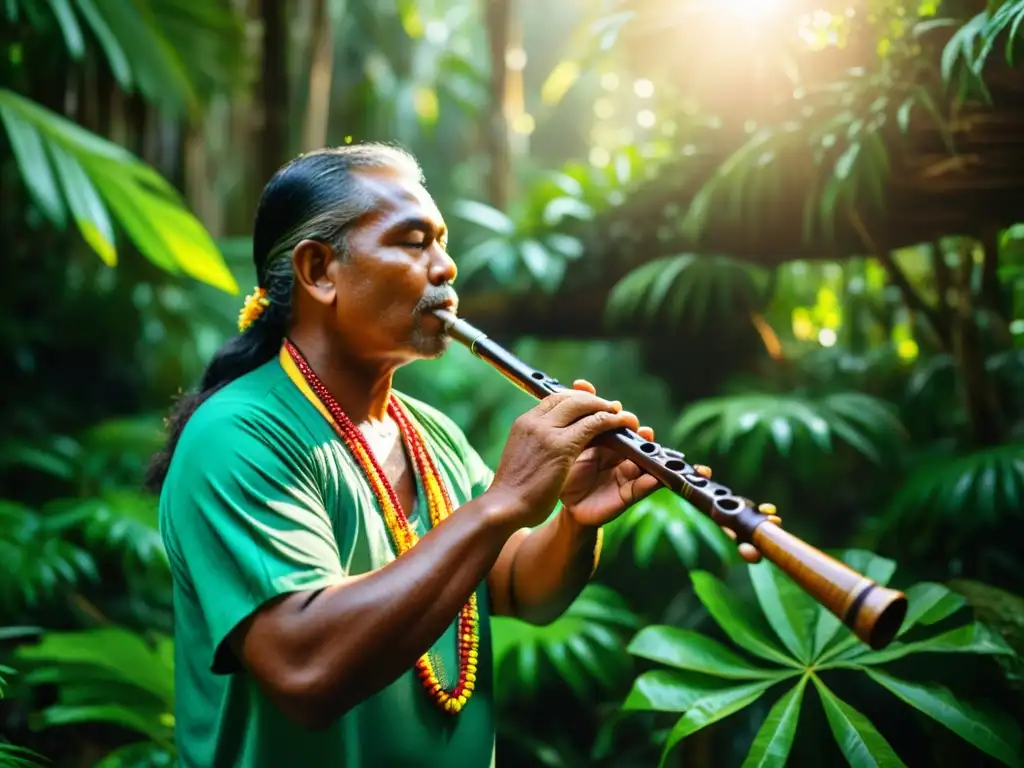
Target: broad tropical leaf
(989, 482)
(106, 675)
(40, 566)
(774, 739)
(706, 681)
(175, 53)
(859, 740)
(687, 290)
(518, 253)
(12, 756)
(1003, 612)
(743, 428)
(664, 521)
(124, 523)
(585, 647)
(71, 172)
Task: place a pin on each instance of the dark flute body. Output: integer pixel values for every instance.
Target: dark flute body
(872, 612)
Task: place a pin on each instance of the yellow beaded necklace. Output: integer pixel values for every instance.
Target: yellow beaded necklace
(403, 537)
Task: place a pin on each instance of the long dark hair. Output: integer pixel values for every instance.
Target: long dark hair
(314, 197)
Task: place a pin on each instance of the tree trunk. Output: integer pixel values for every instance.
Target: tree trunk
(984, 415)
(273, 141)
(318, 103)
(498, 18)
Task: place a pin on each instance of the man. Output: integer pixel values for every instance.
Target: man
(338, 548)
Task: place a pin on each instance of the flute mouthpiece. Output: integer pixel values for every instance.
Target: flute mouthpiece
(446, 316)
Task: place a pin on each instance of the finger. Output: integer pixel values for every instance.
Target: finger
(639, 489)
(587, 428)
(579, 404)
(633, 423)
(646, 433)
(749, 553)
(583, 385)
(626, 470)
(767, 509)
(702, 470)
(775, 519)
(551, 401)
(730, 533)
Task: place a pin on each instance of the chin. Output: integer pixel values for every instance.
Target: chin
(430, 345)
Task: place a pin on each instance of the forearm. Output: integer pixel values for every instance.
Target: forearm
(337, 648)
(549, 568)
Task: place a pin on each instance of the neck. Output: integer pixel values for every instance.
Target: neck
(361, 388)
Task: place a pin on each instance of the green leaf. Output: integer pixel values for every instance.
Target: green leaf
(992, 733)
(712, 708)
(774, 738)
(973, 638)
(929, 603)
(12, 756)
(861, 743)
(86, 207)
(738, 622)
(485, 216)
(33, 164)
(69, 27)
(689, 650)
(666, 690)
(116, 57)
(98, 173)
(585, 646)
(790, 610)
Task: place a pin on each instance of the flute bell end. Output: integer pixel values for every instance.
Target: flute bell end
(879, 616)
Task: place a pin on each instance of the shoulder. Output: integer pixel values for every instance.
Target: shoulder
(249, 417)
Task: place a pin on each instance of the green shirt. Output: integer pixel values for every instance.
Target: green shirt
(262, 498)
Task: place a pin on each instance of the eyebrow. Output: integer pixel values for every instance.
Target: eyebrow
(421, 224)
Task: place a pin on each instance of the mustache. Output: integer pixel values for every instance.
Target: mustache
(437, 297)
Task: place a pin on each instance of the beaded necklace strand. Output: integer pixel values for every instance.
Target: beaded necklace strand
(403, 537)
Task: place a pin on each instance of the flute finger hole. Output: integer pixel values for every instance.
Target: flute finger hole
(696, 480)
(674, 466)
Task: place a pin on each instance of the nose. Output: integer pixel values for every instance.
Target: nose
(442, 267)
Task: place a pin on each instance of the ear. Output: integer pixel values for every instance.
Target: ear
(311, 261)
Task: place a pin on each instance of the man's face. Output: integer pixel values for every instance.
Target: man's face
(397, 271)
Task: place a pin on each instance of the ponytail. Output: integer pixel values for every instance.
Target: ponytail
(314, 197)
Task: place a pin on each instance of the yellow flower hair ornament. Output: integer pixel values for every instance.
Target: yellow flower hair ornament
(255, 303)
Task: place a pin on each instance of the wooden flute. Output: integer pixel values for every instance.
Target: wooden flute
(874, 613)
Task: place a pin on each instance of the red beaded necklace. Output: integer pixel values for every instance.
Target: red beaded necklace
(403, 537)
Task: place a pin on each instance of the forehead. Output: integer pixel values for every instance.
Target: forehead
(399, 197)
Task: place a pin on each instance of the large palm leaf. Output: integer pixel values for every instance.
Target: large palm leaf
(11, 755)
(951, 508)
(688, 289)
(175, 53)
(744, 429)
(69, 171)
(585, 647)
(40, 567)
(666, 523)
(106, 675)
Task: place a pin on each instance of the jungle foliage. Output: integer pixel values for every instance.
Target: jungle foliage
(791, 239)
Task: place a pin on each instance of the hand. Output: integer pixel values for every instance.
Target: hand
(544, 445)
(601, 485)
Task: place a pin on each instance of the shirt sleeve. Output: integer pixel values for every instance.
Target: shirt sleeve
(246, 521)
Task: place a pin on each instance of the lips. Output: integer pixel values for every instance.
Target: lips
(448, 304)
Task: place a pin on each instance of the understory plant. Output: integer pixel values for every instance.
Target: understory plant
(784, 642)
